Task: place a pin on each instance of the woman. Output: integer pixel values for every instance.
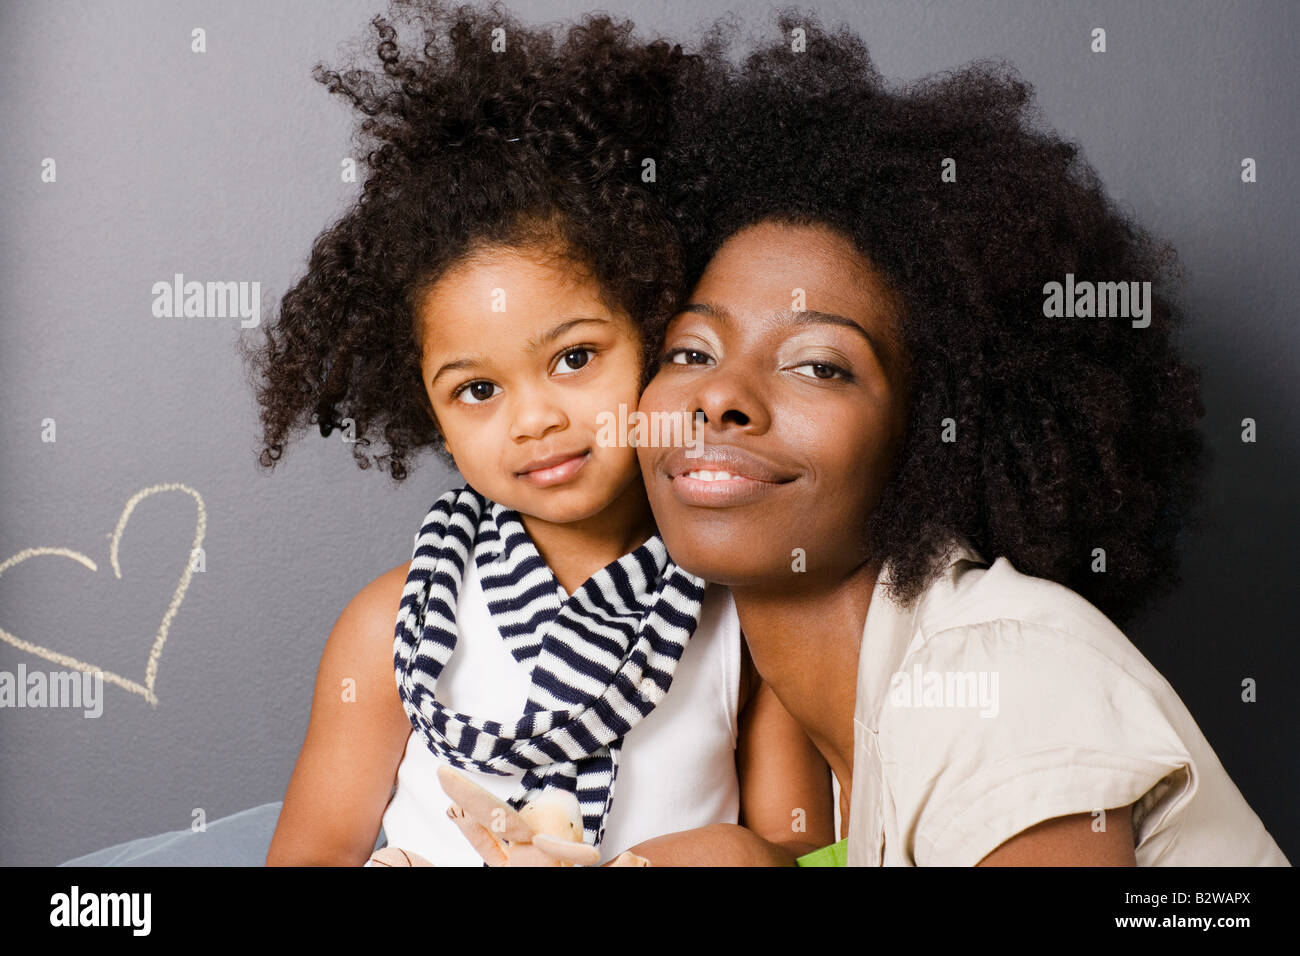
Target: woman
(931, 495)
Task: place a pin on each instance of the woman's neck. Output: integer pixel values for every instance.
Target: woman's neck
(577, 550)
(805, 646)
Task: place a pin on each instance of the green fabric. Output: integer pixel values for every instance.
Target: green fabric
(836, 854)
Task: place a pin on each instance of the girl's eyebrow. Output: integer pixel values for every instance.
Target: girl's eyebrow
(549, 336)
(533, 344)
(788, 317)
(456, 365)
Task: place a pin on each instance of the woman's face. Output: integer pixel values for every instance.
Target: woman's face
(790, 347)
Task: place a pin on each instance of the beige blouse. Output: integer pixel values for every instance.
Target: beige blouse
(999, 700)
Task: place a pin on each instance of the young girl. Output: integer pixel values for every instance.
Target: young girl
(939, 495)
(486, 297)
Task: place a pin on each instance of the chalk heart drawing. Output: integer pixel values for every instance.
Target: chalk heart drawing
(145, 690)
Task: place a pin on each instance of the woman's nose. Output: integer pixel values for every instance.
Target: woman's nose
(728, 400)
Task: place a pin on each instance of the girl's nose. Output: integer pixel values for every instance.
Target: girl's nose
(536, 414)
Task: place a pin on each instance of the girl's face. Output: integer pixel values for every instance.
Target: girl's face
(805, 410)
(520, 358)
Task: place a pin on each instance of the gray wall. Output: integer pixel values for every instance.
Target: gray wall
(224, 166)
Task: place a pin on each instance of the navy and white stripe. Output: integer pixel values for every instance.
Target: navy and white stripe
(599, 660)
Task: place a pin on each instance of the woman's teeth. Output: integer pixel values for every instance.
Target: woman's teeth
(714, 476)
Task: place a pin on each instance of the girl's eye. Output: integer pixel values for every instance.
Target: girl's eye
(822, 370)
(573, 360)
(476, 392)
(687, 357)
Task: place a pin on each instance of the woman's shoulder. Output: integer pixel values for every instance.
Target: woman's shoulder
(1019, 701)
(1016, 701)
(1018, 621)
(973, 590)
(1042, 649)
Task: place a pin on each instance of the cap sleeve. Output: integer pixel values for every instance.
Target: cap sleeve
(993, 727)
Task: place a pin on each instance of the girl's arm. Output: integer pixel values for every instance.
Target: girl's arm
(355, 739)
(786, 805)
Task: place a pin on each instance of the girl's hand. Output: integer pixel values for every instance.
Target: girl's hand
(628, 858)
(396, 856)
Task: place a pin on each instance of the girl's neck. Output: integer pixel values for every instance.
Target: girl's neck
(805, 645)
(577, 550)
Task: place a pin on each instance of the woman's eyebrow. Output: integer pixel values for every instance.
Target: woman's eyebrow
(788, 317)
(707, 308)
(827, 318)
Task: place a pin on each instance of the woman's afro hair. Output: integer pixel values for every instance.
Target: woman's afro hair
(478, 132)
(1072, 434)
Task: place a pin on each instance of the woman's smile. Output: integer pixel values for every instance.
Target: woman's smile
(723, 476)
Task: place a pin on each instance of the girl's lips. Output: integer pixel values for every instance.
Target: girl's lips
(554, 474)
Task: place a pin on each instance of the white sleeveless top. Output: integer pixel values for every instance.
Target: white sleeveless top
(677, 768)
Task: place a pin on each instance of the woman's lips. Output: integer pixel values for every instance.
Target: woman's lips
(555, 470)
(727, 491)
(723, 476)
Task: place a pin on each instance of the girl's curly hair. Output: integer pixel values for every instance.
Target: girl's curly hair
(481, 133)
(1071, 434)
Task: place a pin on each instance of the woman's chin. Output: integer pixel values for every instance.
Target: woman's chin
(706, 560)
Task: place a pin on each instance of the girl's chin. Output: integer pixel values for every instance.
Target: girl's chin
(553, 515)
(559, 509)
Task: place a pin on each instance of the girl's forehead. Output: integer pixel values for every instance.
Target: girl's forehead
(539, 269)
(509, 284)
(511, 301)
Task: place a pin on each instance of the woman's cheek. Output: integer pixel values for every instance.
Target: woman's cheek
(865, 466)
(653, 398)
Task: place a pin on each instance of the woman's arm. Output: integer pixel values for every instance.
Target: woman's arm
(786, 805)
(1070, 841)
(355, 739)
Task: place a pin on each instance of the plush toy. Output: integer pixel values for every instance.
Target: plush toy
(545, 832)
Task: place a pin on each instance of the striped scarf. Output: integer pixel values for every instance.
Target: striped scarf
(599, 660)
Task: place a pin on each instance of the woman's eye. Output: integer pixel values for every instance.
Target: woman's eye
(687, 357)
(572, 361)
(822, 370)
(476, 392)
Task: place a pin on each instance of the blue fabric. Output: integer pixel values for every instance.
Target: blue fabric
(240, 839)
